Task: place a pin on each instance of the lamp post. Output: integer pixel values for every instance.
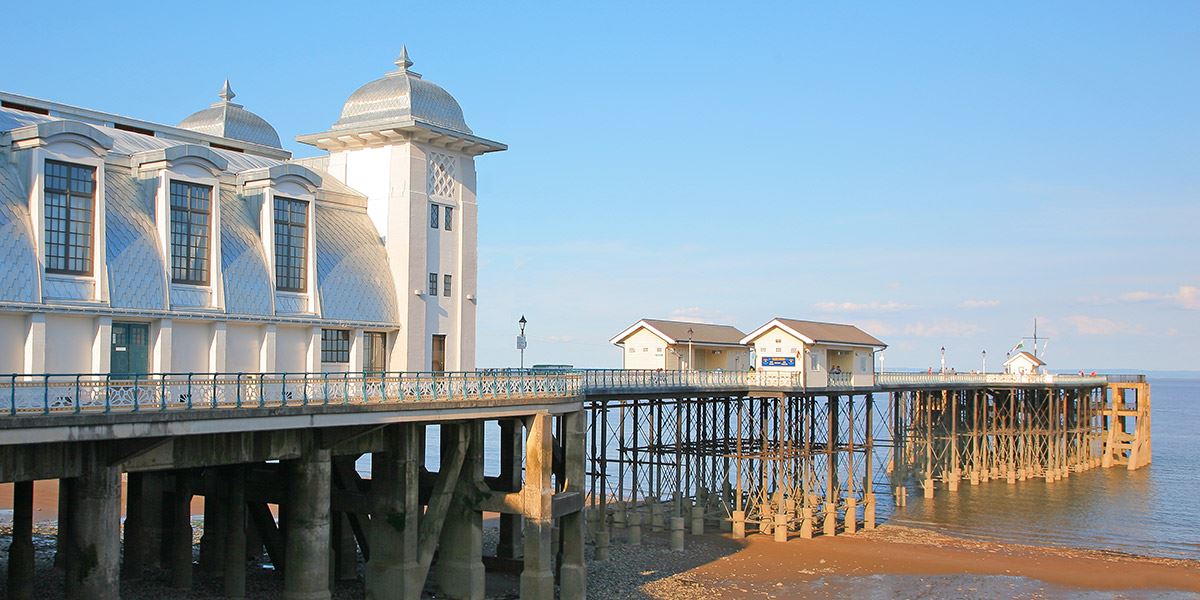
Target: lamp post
(984, 361)
(521, 340)
(691, 365)
(943, 360)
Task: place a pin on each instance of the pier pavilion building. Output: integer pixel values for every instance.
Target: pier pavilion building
(1023, 363)
(672, 345)
(135, 247)
(823, 353)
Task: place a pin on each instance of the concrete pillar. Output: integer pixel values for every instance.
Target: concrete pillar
(806, 522)
(537, 578)
(781, 527)
(234, 480)
(306, 574)
(633, 534)
(20, 553)
(345, 548)
(928, 487)
(830, 526)
(698, 519)
(618, 525)
(869, 511)
(657, 522)
(212, 542)
(851, 517)
(93, 568)
(739, 524)
(394, 570)
(136, 548)
(180, 534)
(677, 534)
(511, 441)
(62, 547)
(573, 571)
(459, 566)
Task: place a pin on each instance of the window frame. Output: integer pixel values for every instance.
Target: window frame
(447, 286)
(93, 207)
(288, 202)
(374, 341)
(433, 285)
(190, 211)
(449, 211)
(435, 220)
(334, 348)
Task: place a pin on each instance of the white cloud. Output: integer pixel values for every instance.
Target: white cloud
(558, 339)
(942, 329)
(1186, 297)
(700, 315)
(979, 304)
(1085, 325)
(853, 307)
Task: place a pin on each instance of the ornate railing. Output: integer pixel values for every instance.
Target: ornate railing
(86, 393)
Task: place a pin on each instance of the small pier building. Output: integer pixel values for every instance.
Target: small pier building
(672, 345)
(822, 354)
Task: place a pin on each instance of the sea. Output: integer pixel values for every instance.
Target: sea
(1151, 511)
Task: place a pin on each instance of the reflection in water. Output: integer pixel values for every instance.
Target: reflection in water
(1149, 511)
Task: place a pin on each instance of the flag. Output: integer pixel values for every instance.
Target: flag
(1019, 346)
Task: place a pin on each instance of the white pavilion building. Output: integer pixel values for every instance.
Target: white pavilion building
(133, 247)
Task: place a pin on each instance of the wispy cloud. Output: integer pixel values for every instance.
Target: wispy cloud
(1086, 325)
(944, 328)
(558, 339)
(979, 304)
(701, 315)
(1186, 297)
(855, 307)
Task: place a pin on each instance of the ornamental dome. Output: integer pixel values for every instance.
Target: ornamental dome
(229, 120)
(402, 95)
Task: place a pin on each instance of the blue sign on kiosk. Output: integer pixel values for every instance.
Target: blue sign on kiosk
(778, 361)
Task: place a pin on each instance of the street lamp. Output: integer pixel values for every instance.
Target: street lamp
(984, 361)
(521, 340)
(943, 360)
(690, 363)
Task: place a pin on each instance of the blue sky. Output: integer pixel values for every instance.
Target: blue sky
(937, 173)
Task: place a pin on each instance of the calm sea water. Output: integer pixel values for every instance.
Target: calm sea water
(1151, 511)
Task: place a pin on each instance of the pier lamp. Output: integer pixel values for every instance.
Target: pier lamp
(521, 340)
(691, 365)
(984, 361)
(943, 360)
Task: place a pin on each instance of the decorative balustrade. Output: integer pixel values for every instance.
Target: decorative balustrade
(86, 393)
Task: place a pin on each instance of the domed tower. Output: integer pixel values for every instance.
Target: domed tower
(232, 121)
(403, 142)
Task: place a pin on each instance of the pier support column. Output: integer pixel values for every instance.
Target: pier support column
(306, 575)
(851, 517)
(510, 479)
(212, 542)
(573, 572)
(394, 570)
(698, 519)
(739, 524)
(93, 568)
(233, 478)
(180, 532)
(62, 546)
(460, 549)
(20, 553)
(537, 578)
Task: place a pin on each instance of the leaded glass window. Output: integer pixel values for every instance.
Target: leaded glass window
(291, 244)
(70, 201)
(433, 216)
(335, 345)
(191, 216)
(449, 218)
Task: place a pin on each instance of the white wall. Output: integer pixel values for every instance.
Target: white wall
(190, 342)
(645, 350)
(777, 343)
(69, 344)
(12, 342)
(242, 346)
(291, 349)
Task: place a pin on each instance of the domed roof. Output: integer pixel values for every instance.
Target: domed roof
(230, 120)
(402, 94)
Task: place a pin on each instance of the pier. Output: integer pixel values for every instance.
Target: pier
(594, 455)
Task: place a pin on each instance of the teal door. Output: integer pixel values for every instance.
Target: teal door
(130, 348)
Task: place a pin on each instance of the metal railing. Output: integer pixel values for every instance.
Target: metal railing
(87, 393)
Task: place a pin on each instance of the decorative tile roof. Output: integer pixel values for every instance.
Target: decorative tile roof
(401, 95)
(233, 121)
(136, 271)
(18, 261)
(353, 276)
(243, 266)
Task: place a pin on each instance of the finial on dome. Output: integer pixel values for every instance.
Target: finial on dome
(226, 92)
(403, 62)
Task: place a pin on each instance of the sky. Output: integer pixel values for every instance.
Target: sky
(940, 174)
